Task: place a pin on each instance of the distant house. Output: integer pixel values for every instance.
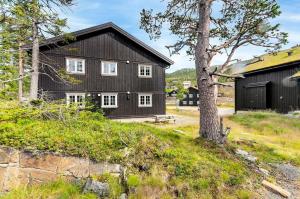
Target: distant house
(271, 82)
(186, 84)
(172, 93)
(119, 73)
(191, 98)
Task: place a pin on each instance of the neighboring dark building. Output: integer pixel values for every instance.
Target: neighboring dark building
(172, 93)
(120, 73)
(270, 83)
(191, 98)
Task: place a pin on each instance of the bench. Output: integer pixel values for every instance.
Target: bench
(164, 118)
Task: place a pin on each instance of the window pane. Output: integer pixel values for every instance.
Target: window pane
(72, 98)
(106, 68)
(79, 66)
(148, 102)
(142, 70)
(142, 100)
(106, 100)
(113, 100)
(72, 66)
(112, 68)
(148, 71)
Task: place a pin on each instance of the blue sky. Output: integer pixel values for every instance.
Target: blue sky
(125, 13)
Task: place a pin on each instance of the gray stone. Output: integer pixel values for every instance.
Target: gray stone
(263, 171)
(123, 196)
(246, 155)
(101, 189)
(289, 171)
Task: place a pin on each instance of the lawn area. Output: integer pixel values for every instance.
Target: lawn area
(160, 162)
(59, 189)
(270, 136)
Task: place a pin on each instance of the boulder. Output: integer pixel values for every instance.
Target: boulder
(101, 189)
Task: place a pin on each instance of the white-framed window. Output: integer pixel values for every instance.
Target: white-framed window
(75, 98)
(198, 102)
(109, 68)
(184, 95)
(173, 94)
(184, 102)
(197, 95)
(191, 102)
(191, 95)
(109, 100)
(75, 65)
(145, 100)
(145, 71)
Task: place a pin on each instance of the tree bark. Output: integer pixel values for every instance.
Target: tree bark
(209, 120)
(21, 72)
(35, 62)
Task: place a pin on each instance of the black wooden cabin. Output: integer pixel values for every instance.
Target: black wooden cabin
(191, 98)
(270, 86)
(119, 73)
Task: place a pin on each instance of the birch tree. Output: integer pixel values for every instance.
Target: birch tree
(198, 24)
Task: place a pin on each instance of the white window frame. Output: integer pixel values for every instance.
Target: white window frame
(109, 94)
(76, 95)
(145, 95)
(185, 95)
(68, 59)
(191, 96)
(198, 95)
(184, 102)
(109, 71)
(191, 103)
(198, 102)
(140, 66)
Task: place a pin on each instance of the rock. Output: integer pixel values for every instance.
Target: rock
(101, 168)
(123, 196)
(263, 171)
(101, 189)
(4, 156)
(246, 155)
(73, 166)
(289, 171)
(47, 162)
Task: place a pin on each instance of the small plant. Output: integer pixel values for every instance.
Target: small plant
(133, 181)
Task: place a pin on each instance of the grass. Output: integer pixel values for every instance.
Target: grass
(272, 137)
(165, 164)
(59, 189)
(270, 60)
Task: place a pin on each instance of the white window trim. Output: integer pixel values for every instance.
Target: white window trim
(144, 76)
(109, 73)
(191, 96)
(145, 94)
(184, 102)
(191, 102)
(109, 94)
(75, 59)
(75, 94)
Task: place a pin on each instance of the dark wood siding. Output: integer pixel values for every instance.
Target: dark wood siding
(107, 46)
(191, 98)
(281, 95)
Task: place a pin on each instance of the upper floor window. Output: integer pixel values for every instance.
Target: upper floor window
(191, 95)
(145, 71)
(145, 100)
(109, 68)
(76, 66)
(109, 100)
(75, 98)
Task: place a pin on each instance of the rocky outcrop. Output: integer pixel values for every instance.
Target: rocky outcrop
(26, 168)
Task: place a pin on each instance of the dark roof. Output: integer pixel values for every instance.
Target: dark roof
(103, 27)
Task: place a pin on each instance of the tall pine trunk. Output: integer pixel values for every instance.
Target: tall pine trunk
(35, 62)
(209, 120)
(21, 71)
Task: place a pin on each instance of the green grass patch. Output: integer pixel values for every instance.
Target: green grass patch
(59, 189)
(272, 137)
(156, 159)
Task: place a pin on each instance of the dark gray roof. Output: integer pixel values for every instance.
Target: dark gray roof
(103, 27)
